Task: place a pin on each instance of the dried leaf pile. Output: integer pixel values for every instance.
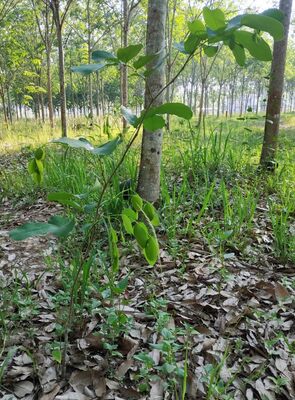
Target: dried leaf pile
(243, 315)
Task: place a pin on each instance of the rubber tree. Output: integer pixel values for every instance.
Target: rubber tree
(275, 94)
(59, 17)
(151, 150)
(127, 10)
(45, 24)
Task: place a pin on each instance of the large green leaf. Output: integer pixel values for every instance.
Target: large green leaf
(57, 225)
(128, 53)
(141, 234)
(210, 51)
(143, 61)
(104, 150)
(101, 55)
(178, 109)
(87, 69)
(153, 123)
(181, 47)
(274, 13)
(151, 251)
(214, 18)
(257, 47)
(75, 143)
(107, 148)
(239, 54)
(264, 23)
(191, 43)
(129, 116)
(197, 27)
(66, 199)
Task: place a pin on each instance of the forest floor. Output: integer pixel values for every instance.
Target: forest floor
(213, 319)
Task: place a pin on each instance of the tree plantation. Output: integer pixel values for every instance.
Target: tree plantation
(147, 200)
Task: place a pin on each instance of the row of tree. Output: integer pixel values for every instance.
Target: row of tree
(40, 42)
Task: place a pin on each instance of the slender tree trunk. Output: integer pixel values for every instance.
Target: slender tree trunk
(61, 67)
(89, 61)
(151, 150)
(201, 104)
(4, 105)
(123, 70)
(48, 45)
(275, 94)
(63, 106)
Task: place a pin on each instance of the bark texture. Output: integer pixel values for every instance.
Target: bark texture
(273, 111)
(151, 151)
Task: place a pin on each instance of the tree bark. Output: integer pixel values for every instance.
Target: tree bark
(123, 70)
(151, 150)
(276, 87)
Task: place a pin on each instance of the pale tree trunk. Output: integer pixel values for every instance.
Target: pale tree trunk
(59, 22)
(275, 94)
(89, 48)
(124, 74)
(151, 150)
(169, 64)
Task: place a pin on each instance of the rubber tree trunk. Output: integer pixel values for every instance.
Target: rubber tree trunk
(123, 70)
(275, 94)
(89, 48)
(48, 46)
(61, 67)
(151, 150)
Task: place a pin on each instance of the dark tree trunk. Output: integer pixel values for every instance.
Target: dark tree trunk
(275, 94)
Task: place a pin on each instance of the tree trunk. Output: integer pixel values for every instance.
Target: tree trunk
(151, 150)
(276, 86)
(123, 70)
(89, 48)
(61, 67)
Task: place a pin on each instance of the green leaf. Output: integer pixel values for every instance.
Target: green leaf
(58, 226)
(131, 214)
(87, 69)
(130, 118)
(64, 198)
(191, 43)
(128, 53)
(75, 143)
(264, 23)
(104, 150)
(149, 210)
(40, 154)
(127, 224)
(143, 61)
(121, 286)
(197, 27)
(178, 109)
(107, 148)
(153, 123)
(257, 47)
(151, 251)
(239, 54)
(181, 47)
(101, 55)
(214, 18)
(141, 234)
(274, 13)
(210, 51)
(57, 355)
(136, 202)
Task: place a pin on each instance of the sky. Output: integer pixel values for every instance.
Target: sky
(259, 4)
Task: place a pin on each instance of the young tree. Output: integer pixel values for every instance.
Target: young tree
(273, 112)
(151, 151)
